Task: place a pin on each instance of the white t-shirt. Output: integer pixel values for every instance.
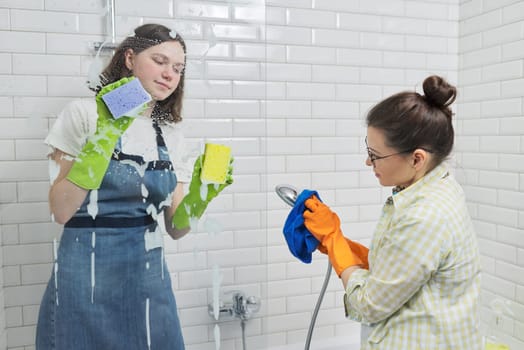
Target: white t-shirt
(77, 122)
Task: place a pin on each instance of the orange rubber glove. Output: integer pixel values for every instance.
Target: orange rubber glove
(324, 224)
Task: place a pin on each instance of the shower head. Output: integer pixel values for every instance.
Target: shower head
(287, 193)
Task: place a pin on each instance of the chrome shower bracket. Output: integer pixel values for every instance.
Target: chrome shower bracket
(110, 44)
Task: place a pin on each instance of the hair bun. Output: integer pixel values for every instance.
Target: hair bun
(439, 92)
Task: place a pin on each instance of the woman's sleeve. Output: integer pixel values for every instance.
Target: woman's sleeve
(405, 260)
(74, 124)
(178, 154)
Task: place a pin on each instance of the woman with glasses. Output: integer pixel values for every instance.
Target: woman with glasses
(421, 290)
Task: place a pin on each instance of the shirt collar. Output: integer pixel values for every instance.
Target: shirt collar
(402, 195)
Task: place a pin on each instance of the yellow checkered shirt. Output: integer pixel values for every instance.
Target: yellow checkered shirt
(422, 289)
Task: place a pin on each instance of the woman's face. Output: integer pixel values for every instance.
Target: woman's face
(395, 169)
(158, 68)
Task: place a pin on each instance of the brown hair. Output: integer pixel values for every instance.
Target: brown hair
(410, 120)
(148, 35)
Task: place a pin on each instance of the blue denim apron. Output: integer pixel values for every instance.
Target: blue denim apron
(110, 288)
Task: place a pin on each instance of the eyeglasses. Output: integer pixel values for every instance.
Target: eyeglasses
(373, 157)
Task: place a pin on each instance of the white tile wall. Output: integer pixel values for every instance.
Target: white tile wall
(491, 57)
(290, 97)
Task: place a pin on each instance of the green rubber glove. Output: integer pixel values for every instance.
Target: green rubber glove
(91, 164)
(195, 202)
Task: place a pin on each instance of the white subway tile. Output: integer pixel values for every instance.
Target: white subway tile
(259, 52)
(13, 317)
(383, 76)
(311, 54)
(510, 235)
(502, 71)
(335, 38)
(481, 161)
(44, 21)
(485, 229)
(288, 72)
(512, 87)
(424, 43)
(20, 336)
(383, 41)
(309, 163)
(405, 25)
(501, 144)
(68, 86)
(287, 109)
(290, 3)
(64, 43)
(467, 144)
(7, 150)
(92, 6)
(5, 63)
(334, 180)
(335, 109)
(200, 49)
(498, 215)
(481, 22)
(359, 57)
(208, 89)
(498, 179)
(426, 10)
(443, 61)
(481, 92)
(12, 41)
(12, 276)
(233, 70)
(315, 127)
(359, 22)
(289, 287)
(33, 191)
(357, 196)
(31, 150)
(498, 285)
(35, 273)
(41, 232)
(288, 35)
(275, 15)
(232, 108)
(511, 162)
(187, 9)
(501, 107)
(513, 12)
(503, 34)
(335, 145)
(510, 272)
(513, 50)
(443, 28)
(336, 5)
(384, 7)
(20, 85)
(289, 146)
(232, 31)
(25, 212)
(354, 93)
(255, 13)
(402, 59)
(470, 42)
(480, 195)
(311, 18)
(499, 251)
(481, 57)
(309, 91)
(511, 199)
(470, 8)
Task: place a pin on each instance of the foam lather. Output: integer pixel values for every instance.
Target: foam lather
(126, 100)
(216, 163)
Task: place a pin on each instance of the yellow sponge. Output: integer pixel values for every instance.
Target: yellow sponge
(216, 163)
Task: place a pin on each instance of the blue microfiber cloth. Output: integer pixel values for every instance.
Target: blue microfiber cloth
(300, 241)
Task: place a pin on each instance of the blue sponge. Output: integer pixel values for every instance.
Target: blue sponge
(127, 99)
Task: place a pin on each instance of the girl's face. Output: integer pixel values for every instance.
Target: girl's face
(396, 168)
(158, 68)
